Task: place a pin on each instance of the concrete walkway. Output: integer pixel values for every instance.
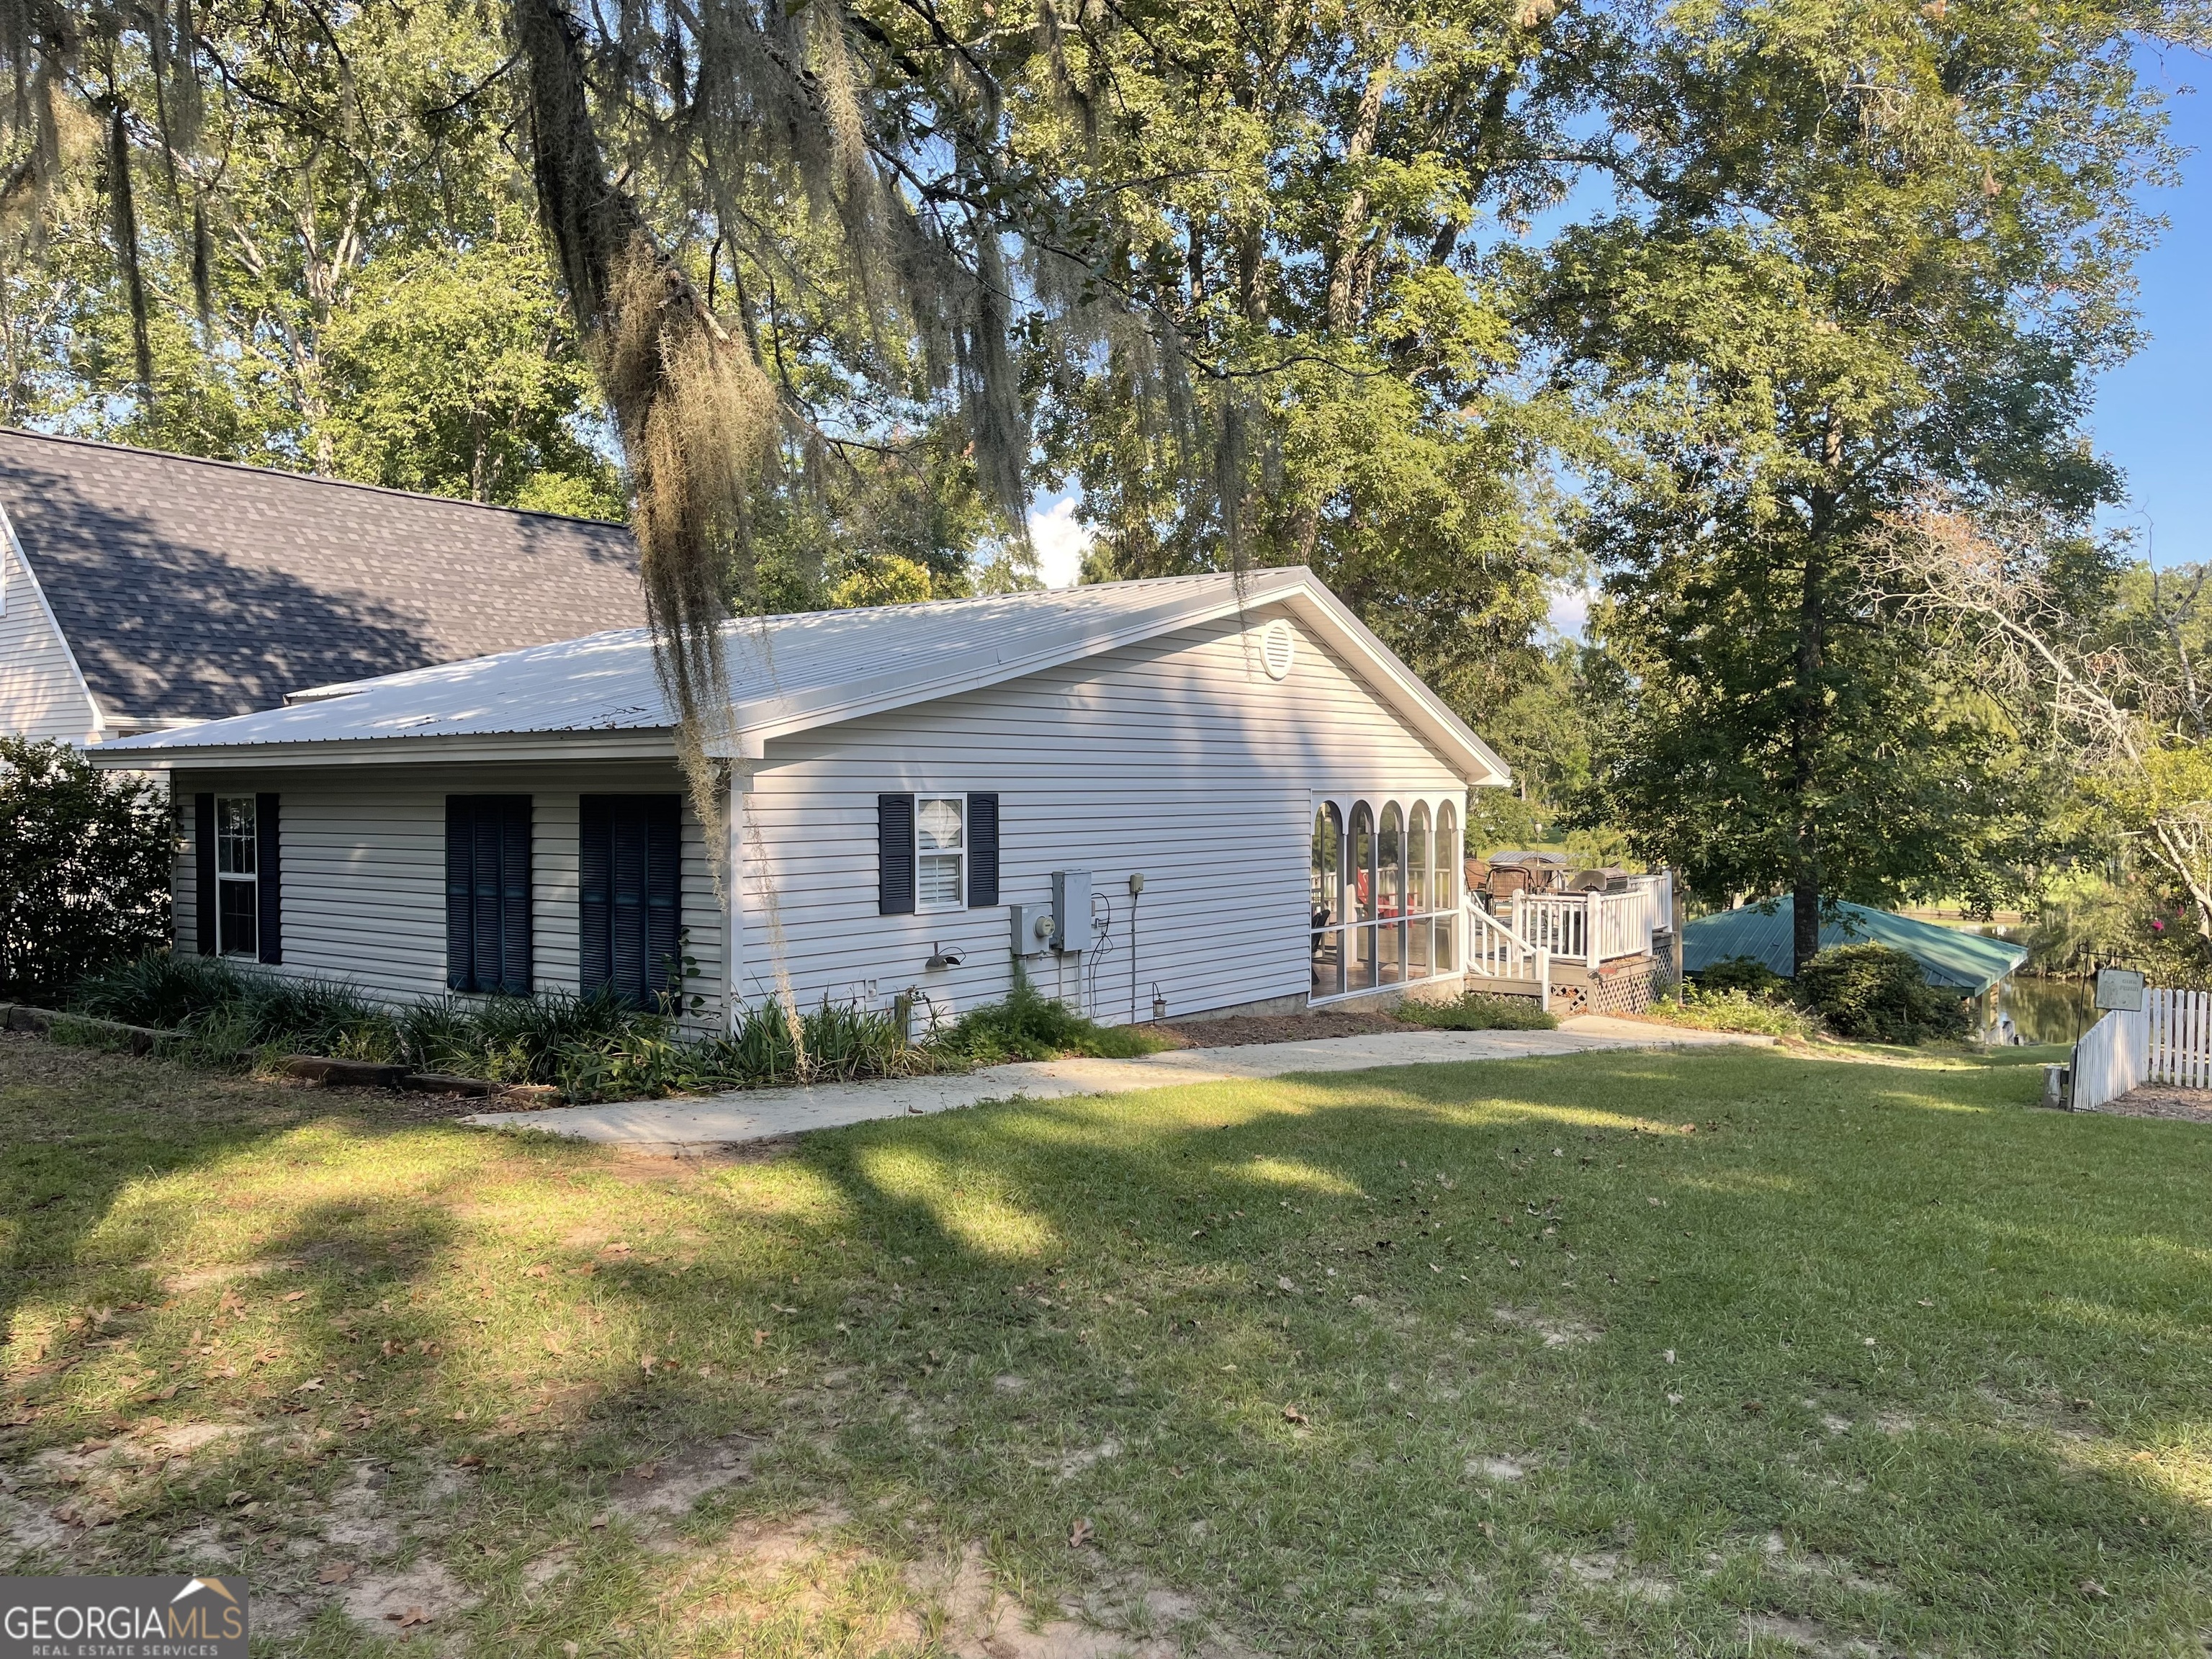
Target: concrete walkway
(742, 1114)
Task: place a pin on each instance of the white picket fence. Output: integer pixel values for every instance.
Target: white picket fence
(2178, 1038)
(2170, 1040)
(2111, 1058)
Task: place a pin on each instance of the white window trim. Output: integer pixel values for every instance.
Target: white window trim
(253, 881)
(959, 900)
(1377, 800)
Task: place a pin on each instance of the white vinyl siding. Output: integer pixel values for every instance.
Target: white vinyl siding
(41, 694)
(1180, 758)
(364, 869)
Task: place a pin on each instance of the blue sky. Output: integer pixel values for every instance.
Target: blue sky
(2153, 414)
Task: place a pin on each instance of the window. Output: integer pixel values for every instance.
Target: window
(936, 853)
(1390, 876)
(238, 888)
(629, 898)
(488, 893)
(1383, 891)
(1416, 890)
(1445, 888)
(1328, 900)
(941, 852)
(1359, 877)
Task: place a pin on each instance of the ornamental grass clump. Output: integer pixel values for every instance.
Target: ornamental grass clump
(1697, 1008)
(1476, 1012)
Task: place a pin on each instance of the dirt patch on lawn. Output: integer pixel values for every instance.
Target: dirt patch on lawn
(2161, 1100)
(1243, 1031)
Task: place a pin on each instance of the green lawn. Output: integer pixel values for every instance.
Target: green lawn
(1734, 1353)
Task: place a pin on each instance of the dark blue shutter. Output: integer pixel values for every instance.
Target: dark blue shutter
(594, 899)
(203, 875)
(515, 898)
(488, 893)
(460, 893)
(895, 855)
(631, 910)
(664, 895)
(982, 850)
(269, 879)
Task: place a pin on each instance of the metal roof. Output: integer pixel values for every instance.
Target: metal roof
(1948, 956)
(792, 673)
(193, 589)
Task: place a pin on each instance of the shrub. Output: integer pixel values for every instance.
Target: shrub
(1873, 993)
(1701, 1009)
(225, 1016)
(84, 868)
(592, 1048)
(1476, 1012)
(1746, 974)
(1029, 1025)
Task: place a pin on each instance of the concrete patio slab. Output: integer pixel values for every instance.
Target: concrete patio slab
(744, 1115)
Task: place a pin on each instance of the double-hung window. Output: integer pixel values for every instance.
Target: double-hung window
(941, 852)
(237, 850)
(936, 853)
(237, 877)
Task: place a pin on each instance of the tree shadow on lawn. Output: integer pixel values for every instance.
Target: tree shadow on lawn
(1890, 1341)
(986, 1325)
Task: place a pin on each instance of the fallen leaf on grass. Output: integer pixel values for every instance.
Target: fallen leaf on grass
(468, 1461)
(759, 1337)
(335, 1572)
(1080, 1534)
(408, 1620)
(2096, 1591)
(1292, 1414)
(309, 1386)
(293, 1296)
(538, 1272)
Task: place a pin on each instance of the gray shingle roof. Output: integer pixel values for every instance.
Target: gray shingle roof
(198, 589)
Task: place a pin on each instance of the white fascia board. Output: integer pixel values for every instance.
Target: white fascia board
(100, 723)
(536, 747)
(765, 718)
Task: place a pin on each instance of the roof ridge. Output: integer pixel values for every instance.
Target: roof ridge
(1012, 595)
(290, 475)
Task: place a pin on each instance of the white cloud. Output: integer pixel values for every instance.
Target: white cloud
(1060, 542)
(1569, 611)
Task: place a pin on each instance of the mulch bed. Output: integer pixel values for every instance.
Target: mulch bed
(2162, 1100)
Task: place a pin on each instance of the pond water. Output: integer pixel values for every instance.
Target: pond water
(2048, 1010)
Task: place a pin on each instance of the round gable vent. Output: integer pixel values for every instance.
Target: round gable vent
(1279, 647)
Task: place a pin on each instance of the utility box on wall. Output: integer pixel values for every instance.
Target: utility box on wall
(1071, 909)
(1033, 927)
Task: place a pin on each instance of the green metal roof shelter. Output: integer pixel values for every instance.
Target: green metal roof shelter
(1971, 963)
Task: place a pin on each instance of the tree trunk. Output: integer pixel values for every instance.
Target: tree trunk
(1808, 718)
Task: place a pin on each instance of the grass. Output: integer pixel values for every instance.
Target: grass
(1739, 1354)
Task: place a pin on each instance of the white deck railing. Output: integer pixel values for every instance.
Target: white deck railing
(1494, 950)
(1595, 927)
